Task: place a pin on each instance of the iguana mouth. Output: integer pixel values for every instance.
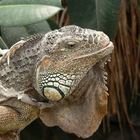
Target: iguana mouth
(103, 56)
(99, 53)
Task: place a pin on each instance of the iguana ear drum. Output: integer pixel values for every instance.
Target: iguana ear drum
(56, 86)
(53, 93)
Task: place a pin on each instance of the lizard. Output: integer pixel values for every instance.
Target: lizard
(51, 76)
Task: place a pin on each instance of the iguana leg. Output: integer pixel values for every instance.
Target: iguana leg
(16, 115)
(10, 136)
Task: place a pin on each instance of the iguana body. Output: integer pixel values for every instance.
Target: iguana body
(15, 115)
(47, 71)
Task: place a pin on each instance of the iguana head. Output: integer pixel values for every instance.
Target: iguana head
(70, 53)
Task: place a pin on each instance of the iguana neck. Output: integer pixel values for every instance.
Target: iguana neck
(17, 66)
(95, 79)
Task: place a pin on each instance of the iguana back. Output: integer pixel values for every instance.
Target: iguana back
(17, 66)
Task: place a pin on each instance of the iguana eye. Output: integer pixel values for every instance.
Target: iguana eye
(53, 93)
(70, 44)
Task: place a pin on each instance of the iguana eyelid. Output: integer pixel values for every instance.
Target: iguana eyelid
(71, 43)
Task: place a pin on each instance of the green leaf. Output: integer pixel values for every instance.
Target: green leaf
(52, 24)
(47, 2)
(18, 15)
(11, 35)
(82, 13)
(95, 14)
(3, 44)
(39, 27)
(107, 12)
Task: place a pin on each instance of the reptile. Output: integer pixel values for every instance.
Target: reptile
(57, 76)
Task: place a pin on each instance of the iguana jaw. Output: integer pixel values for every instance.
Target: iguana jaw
(100, 58)
(99, 54)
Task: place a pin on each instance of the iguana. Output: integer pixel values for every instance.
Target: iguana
(58, 76)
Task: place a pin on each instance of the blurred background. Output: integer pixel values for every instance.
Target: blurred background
(120, 20)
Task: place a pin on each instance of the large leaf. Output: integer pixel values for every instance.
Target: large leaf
(96, 14)
(82, 13)
(39, 27)
(47, 2)
(17, 15)
(53, 24)
(107, 12)
(3, 44)
(11, 35)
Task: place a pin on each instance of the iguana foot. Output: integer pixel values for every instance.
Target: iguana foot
(16, 115)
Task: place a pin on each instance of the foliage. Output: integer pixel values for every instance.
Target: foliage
(95, 14)
(18, 15)
(23, 18)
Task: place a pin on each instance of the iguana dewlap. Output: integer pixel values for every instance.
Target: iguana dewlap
(61, 71)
